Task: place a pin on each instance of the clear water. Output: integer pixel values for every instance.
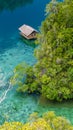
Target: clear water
(15, 106)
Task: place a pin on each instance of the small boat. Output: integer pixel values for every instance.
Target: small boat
(28, 32)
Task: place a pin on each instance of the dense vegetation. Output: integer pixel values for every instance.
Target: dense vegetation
(49, 121)
(52, 75)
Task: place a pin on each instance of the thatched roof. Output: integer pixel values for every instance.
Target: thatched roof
(27, 30)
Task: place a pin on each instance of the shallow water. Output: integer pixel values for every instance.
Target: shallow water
(13, 51)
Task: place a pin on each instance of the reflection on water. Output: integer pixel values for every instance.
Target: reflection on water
(12, 4)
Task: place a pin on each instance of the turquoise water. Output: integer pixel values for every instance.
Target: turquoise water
(15, 106)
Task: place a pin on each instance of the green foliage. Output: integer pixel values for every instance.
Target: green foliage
(24, 78)
(52, 75)
(55, 55)
(49, 121)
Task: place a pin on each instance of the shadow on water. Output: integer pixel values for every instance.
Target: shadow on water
(45, 102)
(28, 42)
(13, 4)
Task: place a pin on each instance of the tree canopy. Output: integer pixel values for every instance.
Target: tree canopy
(52, 75)
(48, 121)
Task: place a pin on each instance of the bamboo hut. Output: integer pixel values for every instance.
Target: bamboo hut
(28, 32)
